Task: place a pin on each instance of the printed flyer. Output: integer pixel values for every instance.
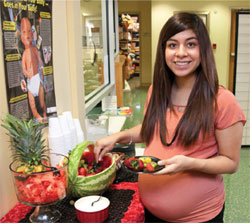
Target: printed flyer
(28, 58)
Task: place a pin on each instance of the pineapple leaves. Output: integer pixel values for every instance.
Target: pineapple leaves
(27, 142)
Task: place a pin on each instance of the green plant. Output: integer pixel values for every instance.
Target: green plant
(26, 143)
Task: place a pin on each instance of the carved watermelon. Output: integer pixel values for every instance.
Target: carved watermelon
(80, 186)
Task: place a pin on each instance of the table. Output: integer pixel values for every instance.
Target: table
(125, 185)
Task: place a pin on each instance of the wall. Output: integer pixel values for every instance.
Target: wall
(68, 58)
(220, 22)
(143, 8)
(7, 194)
(67, 65)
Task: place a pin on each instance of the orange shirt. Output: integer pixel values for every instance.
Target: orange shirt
(188, 196)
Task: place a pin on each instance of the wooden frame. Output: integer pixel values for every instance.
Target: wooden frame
(232, 50)
(204, 15)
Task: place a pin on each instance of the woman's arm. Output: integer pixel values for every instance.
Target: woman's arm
(107, 143)
(227, 161)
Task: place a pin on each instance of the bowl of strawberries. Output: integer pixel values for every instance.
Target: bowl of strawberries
(86, 176)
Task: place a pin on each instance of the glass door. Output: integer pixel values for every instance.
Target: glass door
(95, 46)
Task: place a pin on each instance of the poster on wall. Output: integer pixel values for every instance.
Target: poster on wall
(28, 58)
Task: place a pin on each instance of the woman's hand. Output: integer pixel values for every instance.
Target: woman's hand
(107, 143)
(176, 164)
(104, 145)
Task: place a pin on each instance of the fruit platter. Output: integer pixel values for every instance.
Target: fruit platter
(142, 164)
(86, 176)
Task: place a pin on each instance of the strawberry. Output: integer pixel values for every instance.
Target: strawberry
(134, 164)
(149, 167)
(89, 157)
(99, 169)
(106, 162)
(141, 165)
(128, 163)
(82, 171)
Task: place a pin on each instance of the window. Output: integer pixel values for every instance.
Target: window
(116, 32)
(97, 49)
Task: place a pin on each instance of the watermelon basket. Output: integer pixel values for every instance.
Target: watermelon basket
(80, 186)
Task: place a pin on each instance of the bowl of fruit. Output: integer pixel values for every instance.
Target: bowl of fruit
(39, 177)
(39, 185)
(86, 176)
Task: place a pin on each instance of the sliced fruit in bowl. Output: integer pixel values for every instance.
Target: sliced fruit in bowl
(37, 182)
(40, 188)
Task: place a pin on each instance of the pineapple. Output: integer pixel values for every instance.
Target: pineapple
(27, 143)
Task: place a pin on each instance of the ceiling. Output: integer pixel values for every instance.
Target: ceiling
(91, 7)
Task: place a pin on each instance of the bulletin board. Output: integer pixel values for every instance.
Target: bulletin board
(26, 27)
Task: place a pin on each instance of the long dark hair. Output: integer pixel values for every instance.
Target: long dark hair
(198, 115)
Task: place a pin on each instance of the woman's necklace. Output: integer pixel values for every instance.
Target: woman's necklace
(169, 144)
(180, 109)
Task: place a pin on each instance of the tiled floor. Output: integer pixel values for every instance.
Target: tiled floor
(237, 207)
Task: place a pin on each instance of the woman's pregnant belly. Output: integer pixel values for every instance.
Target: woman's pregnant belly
(184, 197)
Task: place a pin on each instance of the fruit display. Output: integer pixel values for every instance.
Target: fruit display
(88, 165)
(86, 177)
(145, 164)
(35, 181)
(39, 188)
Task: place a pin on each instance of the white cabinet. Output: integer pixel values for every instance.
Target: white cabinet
(242, 81)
